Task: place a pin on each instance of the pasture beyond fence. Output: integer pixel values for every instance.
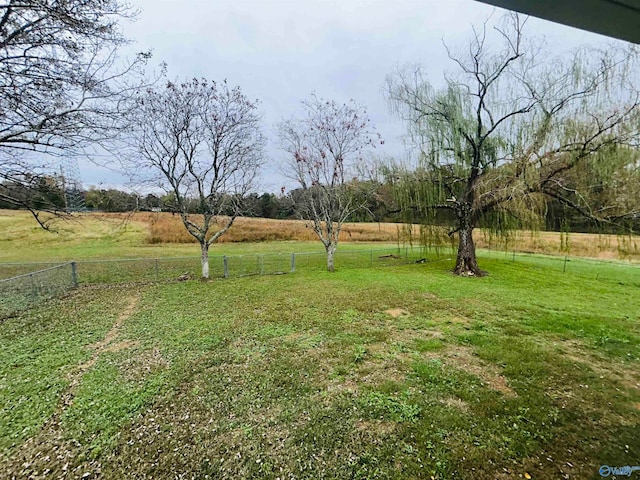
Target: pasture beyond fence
(26, 284)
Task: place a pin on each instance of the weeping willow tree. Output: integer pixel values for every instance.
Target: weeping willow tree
(503, 135)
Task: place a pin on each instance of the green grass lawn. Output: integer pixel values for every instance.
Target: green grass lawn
(397, 372)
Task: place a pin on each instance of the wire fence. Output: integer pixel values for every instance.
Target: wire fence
(229, 266)
(32, 283)
(24, 291)
(612, 271)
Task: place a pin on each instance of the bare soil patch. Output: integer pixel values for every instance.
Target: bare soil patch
(116, 347)
(463, 358)
(103, 344)
(115, 330)
(460, 320)
(397, 312)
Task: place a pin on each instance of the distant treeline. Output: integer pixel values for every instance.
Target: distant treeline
(382, 206)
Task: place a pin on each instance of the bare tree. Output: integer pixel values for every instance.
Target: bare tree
(502, 135)
(203, 142)
(325, 157)
(62, 85)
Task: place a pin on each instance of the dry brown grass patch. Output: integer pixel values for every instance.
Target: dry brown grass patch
(116, 347)
(379, 427)
(454, 402)
(459, 320)
(576, 352)
(145, 363)
(167, 228)
(397, 312)
(463, 358)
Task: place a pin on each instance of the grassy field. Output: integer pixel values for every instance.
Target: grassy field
(403, 372)
(144, 235)
(397, 372)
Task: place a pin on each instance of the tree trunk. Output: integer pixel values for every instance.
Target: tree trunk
(331, 249)
(466, 263)
(204, 246)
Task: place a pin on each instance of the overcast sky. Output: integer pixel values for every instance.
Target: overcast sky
(280, 51)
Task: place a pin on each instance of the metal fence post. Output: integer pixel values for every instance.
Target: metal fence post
(261, 261)
(156, 268)
(293, 263)
(34, 291)
(564, 267)
(74, 274)
(225, 262)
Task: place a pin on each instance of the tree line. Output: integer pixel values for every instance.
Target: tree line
(381, 206)
(518, 137)
(49, 193)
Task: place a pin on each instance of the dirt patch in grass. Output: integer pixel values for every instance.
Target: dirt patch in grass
(459, 320)
(342, 385)
(115, 330)
(397, 312)
(378, 371)
(400, 336)
(463, 358)
(76, 376)
(433, 333)
(373, 371)
(116, 347)
(377, 366)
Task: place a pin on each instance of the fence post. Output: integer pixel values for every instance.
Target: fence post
(34, 291)
(74, 274)
(293, 263)
(371, 259)
(564, 267)
(156, 267)
(406, 255)
(261, 261)
(225, 262)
